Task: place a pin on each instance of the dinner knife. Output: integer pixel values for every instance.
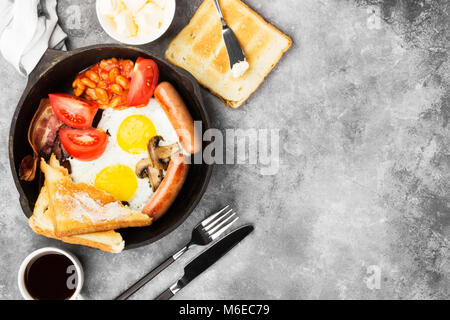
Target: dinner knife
(206, 259)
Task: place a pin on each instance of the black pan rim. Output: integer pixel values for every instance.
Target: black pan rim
(66, 54)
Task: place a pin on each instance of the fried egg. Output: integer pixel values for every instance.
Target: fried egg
(129, 131)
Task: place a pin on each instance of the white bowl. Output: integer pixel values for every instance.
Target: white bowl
(169, 12)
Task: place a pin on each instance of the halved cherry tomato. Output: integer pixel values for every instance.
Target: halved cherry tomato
(143, 82)
(86, 144)
(73, 111)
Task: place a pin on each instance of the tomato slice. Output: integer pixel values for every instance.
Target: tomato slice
(85, 144)
(73, 111)
(143, 82)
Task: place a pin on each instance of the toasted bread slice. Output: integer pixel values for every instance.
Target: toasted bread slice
(199, 49)
(78, 208)
(41, 223)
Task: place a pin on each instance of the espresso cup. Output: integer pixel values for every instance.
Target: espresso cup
(50, 274)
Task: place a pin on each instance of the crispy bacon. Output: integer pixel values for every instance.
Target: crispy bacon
(42, 134)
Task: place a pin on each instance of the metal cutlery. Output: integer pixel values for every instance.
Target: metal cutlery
(232, 45)
(206, 259)
(204, 233)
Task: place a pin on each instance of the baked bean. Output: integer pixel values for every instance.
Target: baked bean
(123, 97)
(117, 89)
(107, 65)
(102, 84)
(103, 64)
(92, 76)
(121, 80)
(106, 82)
(126, 67)
(102, 95)
(88, 83)
(113, 73)
(90, 93)
(115, 102)
(104, 75)
(78, 91)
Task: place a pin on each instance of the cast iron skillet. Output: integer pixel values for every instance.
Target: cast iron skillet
(55, 73)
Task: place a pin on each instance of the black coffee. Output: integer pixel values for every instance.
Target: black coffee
(51, 276)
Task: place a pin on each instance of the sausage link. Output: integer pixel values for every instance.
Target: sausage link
(179, 116)
(169, 188)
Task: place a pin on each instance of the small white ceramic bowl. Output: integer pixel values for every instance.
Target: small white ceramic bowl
(21, 275)
(169, 13)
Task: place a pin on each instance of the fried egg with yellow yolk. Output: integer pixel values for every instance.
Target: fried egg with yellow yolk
(129, 131)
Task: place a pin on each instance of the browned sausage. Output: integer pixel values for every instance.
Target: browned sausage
(179, 116)
(169, 188)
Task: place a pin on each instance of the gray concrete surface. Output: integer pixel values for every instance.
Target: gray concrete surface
(361, 205)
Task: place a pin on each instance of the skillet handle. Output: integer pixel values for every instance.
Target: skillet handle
(48, 60)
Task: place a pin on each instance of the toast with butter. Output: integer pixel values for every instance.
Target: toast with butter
(199, 48)
(78, 208)
(41, 223)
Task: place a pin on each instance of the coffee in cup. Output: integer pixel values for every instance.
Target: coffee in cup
(50, 274)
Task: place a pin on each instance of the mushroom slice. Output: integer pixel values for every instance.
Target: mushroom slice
(155, 177)
(159, 158)
(144, 169)
(160, 155)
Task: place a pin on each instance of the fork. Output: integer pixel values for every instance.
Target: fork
(204, 233)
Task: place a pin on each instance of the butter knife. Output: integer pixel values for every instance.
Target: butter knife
(206, 259)
(234, 49)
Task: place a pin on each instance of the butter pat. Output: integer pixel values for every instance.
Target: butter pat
(159, 3)
(239, 68)
(110, 8)
(134, 5)
(134, 18)
(125, 24)
(149, 19)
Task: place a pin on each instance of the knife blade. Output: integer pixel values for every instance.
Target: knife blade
(206, 259)
(234, 49)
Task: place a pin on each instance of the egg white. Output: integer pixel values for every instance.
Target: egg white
(86, 171)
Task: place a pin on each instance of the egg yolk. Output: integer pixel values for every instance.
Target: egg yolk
(117, 180)
(134, 133)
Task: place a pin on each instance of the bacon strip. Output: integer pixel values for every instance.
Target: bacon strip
(42, 134)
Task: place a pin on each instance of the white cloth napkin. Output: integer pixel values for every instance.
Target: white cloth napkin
(27, 29)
